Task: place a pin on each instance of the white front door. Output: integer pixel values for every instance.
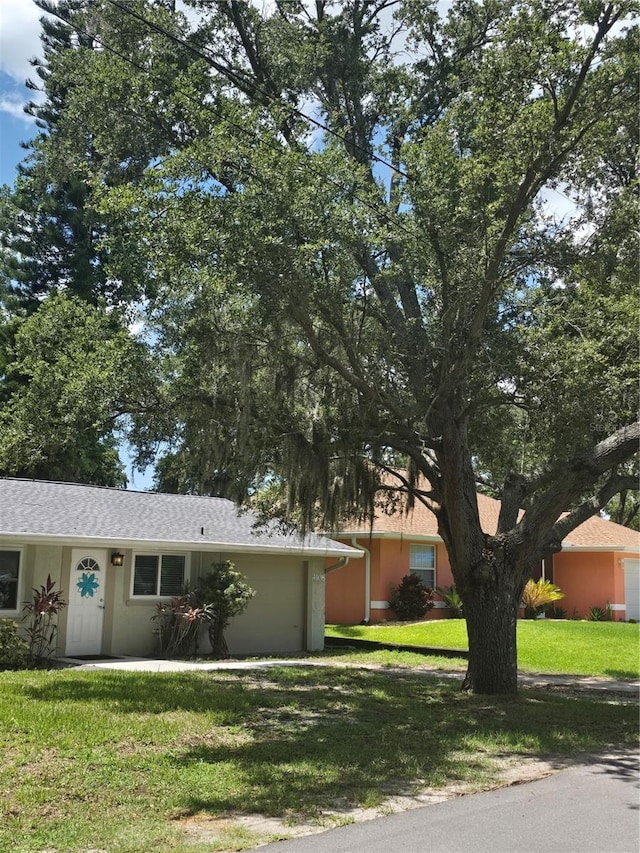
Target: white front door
(86, 602)
(632, 588)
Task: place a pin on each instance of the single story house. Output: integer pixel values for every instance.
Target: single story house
(599, 565)
(115, 554)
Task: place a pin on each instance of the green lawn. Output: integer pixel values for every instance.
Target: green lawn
(131, 762)
(607, 649)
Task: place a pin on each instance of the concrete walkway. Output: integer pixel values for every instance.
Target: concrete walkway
(560, 682)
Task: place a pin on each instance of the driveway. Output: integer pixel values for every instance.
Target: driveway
(589, 808)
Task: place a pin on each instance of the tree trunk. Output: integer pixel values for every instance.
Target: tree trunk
(491, 615)
(485, 569)
(219, 648)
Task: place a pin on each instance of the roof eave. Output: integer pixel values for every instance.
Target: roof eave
(418, 537)
(435, 538)
(198, 545)
(568, 547)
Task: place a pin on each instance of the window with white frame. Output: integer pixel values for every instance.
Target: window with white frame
(9, 577)
(423, 563)
(158, 574)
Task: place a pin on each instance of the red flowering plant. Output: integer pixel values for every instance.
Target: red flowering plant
(178, 624)
(42, 623)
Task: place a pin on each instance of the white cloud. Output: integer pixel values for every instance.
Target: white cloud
(556, 205)
(14, 106)
(19, 37)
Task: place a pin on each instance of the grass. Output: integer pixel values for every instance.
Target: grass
(130, 762)
(606, 649)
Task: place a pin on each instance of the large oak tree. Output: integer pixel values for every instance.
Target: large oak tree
(353, 275)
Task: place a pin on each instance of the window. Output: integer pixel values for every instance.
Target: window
(158, 574)
(9, 574)
(423, 564)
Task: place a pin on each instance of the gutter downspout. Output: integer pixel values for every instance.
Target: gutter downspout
(342, 562)
(367, 579)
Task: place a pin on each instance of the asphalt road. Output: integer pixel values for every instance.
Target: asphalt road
(592, 808)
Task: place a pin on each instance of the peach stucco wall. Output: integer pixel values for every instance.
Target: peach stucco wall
(389, 563)
(344, 594)
(588, 579)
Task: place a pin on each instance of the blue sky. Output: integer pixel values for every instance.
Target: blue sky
(19, 41)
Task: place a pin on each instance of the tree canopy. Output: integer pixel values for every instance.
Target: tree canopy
(78, 375)
(337, 218)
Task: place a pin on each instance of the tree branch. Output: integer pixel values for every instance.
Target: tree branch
(572, 479)
(614, 485)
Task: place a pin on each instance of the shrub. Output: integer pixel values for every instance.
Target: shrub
(411, 598)
(14, 650)
(228, 594)
(451, 597)
(217, 598)
(179, 622)
(537, 595)
(41, 615)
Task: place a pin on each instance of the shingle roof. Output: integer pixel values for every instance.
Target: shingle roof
(596, 532)
(600, 533)
(56, 511)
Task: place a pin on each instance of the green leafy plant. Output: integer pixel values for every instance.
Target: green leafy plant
(410, 599)
(597, 614)
(451, 597)
(14, 650)
(179, 622)
(41, 616)
(228, 594)
(538, 595)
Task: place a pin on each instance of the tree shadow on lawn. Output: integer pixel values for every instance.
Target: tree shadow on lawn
(145, 692)
(622, 674)
(312, 739)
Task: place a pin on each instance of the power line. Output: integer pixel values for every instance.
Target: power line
(245, 131)
(245, 82)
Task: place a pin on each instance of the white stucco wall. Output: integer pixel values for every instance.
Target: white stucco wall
(285, 616)
(36, 562)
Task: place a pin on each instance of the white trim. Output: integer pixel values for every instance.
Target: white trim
(568, 548)
(379, 605)
(13, 613)
(155, 544)
(616, 606)
(431, 538)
